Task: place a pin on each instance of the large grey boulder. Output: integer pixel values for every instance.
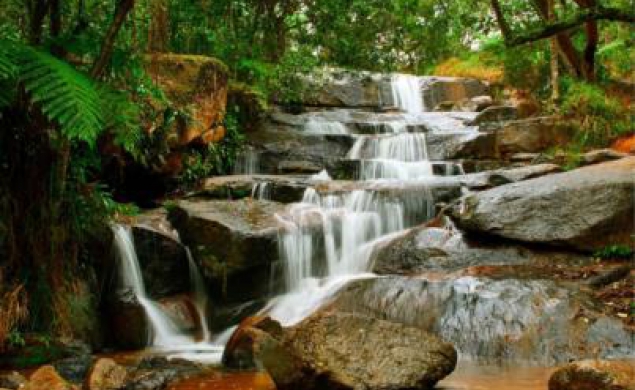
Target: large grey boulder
(344, 351)
(430, 248)
(528, 320)
(437, 90)
(234, 243)
(585, 209)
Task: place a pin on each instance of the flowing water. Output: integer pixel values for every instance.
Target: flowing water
(163, 334)
(327, 240)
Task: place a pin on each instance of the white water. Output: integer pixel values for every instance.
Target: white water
(328, 239)
(163, 335)
(261, 191)
(247, 162)
(406, 93)
(324, 127)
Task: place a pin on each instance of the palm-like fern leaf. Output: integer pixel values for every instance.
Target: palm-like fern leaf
(66, 96)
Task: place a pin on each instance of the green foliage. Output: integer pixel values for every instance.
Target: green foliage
(215, 159)
(615, 252)
(599, 118)
(64, 95)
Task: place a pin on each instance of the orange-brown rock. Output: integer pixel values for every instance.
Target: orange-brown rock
(195, 85)
(46, 378)
(106, 375)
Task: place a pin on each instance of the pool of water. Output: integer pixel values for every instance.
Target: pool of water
(466, 377)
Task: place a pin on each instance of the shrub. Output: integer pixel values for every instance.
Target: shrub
(599, 118)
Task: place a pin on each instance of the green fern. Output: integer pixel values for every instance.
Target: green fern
(64, 95)
(122, 118)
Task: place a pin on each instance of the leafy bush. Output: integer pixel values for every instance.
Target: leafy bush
(598, 117)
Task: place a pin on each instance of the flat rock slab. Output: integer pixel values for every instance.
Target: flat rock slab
(586, 209)
(234, 242)
(278, 188)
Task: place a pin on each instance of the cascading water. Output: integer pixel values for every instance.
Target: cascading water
(164, 334)
(328, 239)
(406, 93)
(247, 162)
(163, 331)
(324, 127)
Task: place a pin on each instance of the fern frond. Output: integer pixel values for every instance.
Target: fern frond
(65, 96)
(8, 68)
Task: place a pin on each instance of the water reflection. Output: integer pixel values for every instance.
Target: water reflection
(469, 376)
(227, 381)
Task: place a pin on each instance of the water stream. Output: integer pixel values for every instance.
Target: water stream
(327, 240)
(163, 335)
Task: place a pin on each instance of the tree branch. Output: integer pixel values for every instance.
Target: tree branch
(584, 16)
(121, 12)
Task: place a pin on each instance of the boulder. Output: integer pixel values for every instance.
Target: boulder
(531, 135)
(128, 323)
(46, 378)
(343, 351)
(182, 311)
(594, 375)
(495, 114)
(106, 375)
(196, 85)
(444, 248)
(234, 243)
(511, 318)
(586, 209)
(74, 369)
(162, 258)
(451, 89)
(346, 89)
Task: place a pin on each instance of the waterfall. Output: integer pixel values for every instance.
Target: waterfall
(164, 335)
(163, 331)
(406, 93)
(200, 296)
(261, 191)
(247, 162)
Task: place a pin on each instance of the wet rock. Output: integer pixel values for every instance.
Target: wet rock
(74, 369)
(466, 144)
(46, 378)
(162, 258)
(234, 242)
(601, 155)
(495, 114)
(594, 375)
(344, 351)
(106, 375)
(346, 89)
(182, 311)
(531, 135)
(277, 145)
(12, 381)
(151, 380)
(128, 323)
(444, 248)
(284, 189)
(585, 209)
(494, 320)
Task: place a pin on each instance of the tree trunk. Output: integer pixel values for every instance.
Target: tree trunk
(553, 45)
(121, 12)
